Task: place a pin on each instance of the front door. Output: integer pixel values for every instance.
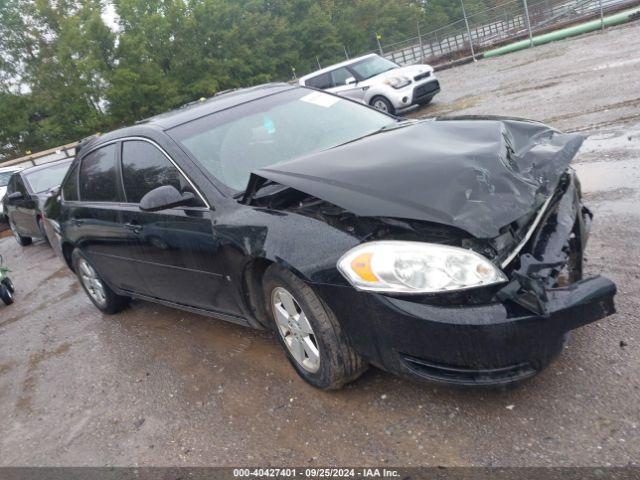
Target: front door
(21, 211)
(339, 78)
(176, 251)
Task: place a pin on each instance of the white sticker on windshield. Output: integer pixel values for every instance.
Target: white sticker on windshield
(320, 99)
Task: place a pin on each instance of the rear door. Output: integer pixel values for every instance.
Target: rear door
(175, 251)
(94, 221)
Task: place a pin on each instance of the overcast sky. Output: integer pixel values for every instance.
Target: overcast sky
(109, 16)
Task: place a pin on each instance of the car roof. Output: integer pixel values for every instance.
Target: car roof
(220, 101)
(336, 65)
(44, 166)
(191, 111)
(10, 169)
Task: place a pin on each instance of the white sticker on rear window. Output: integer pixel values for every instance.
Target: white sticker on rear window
(320, 99)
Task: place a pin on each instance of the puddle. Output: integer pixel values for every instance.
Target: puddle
(603, 175)
(611, 145)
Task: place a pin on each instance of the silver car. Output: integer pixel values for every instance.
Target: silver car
(378, 82)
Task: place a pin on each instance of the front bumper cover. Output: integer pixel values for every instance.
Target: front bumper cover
(474, 345)
(485, 339)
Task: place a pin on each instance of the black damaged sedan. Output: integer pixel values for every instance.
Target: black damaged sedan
(447, 249)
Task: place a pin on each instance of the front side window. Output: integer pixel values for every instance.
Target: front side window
(372, 66)
(274, 129)
(46, 178)
(17, 185)
(145, 167)
(98, 176)
(339, 76)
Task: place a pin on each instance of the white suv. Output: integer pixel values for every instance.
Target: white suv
(378, 82)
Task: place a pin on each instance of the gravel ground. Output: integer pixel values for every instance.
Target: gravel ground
(155, 386)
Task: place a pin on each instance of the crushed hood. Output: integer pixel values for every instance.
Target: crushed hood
(477, 174)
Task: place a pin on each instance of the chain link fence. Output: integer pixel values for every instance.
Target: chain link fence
(479, 31)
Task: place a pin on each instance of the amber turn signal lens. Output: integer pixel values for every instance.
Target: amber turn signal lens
(361, 265)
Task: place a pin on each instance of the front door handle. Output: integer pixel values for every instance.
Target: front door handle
(77, 222)
(134, 227)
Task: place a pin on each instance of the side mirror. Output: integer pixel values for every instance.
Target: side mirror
(163, 198)
(350, 81)
(15, 196)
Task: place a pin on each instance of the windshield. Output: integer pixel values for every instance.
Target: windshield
(47, 178)
(372, 66)
(232, 143)
(4, 178)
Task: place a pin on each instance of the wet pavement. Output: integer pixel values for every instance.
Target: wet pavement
(155, 386)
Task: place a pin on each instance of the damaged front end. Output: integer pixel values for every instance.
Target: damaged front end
(493, 334)
(548, 270)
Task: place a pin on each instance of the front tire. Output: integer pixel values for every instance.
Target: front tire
(100, 294)
(384, 105)
(309, 332)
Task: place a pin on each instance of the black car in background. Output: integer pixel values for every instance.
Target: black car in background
(450, 250)
(27, 191)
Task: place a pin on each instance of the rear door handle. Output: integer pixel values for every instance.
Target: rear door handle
(134, 227)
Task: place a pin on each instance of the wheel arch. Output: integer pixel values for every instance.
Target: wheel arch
(67, 251)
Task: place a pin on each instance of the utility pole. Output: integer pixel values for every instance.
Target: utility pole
(601, 16)
(378, 37)
(466, 22)
(526, 17)
(420, 41)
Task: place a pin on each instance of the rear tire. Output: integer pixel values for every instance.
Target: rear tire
(338, 363)
(6, 295)
(381, 103)
(43, 232)
(100, 294)
(22, 241)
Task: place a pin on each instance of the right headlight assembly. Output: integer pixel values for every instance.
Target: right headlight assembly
(397, 82)
(416, 267)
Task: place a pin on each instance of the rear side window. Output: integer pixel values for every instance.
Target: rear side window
(98, 176)
(145, 167)
(322, 81)
(70, 187)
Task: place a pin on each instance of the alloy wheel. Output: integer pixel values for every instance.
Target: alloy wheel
(381, 105)
(92, 283)
(295, 329)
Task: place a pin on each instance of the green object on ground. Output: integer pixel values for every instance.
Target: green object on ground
(579, 29)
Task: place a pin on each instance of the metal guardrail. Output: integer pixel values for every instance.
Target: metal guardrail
(481, 30)
(45, 156)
